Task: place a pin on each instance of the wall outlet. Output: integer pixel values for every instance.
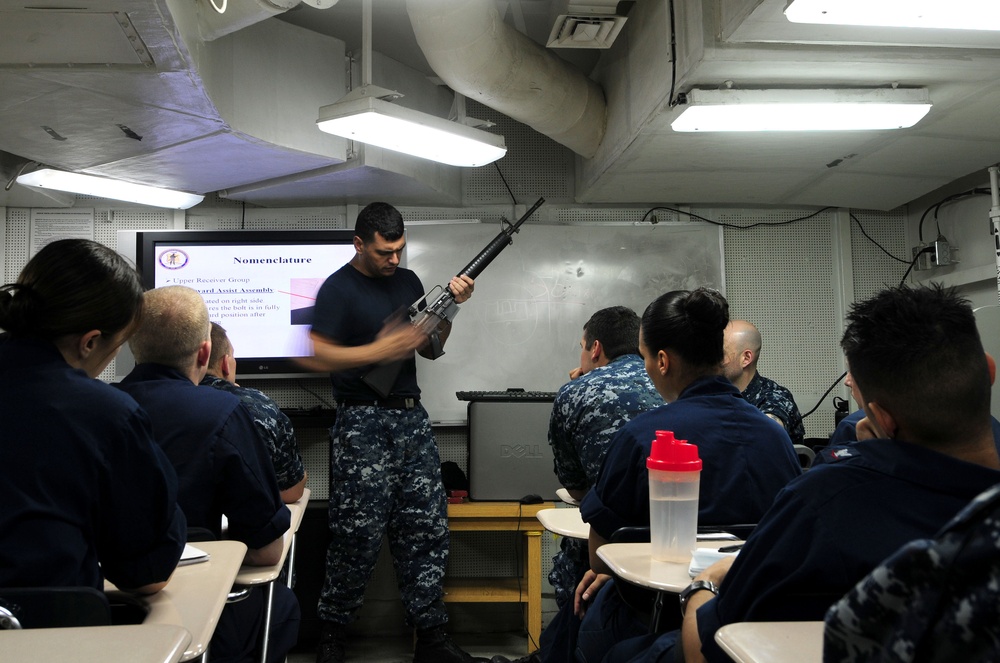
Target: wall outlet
(923, 260)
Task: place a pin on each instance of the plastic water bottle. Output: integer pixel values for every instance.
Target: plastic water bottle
(674, 479)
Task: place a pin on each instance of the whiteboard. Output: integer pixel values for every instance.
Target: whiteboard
(523, 325)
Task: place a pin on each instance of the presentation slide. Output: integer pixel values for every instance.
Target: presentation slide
(262, 294)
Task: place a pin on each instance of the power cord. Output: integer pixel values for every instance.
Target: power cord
(734, 226)
(926, 249)
(944, 201)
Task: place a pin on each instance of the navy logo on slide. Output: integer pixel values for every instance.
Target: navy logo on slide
(173, 259)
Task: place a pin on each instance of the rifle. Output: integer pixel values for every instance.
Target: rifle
(382, 378)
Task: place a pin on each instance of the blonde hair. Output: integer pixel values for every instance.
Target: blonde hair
(174, 325)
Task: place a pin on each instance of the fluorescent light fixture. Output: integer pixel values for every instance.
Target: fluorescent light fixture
(374, 121)
(802, 110)
(90, 185)
(953, 14)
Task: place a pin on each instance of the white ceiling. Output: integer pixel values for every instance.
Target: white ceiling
(167, 92)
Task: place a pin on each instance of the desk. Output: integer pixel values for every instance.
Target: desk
(92, 644)
(301, 505)
(564, 495)
(634, 562)
(503, 516)
(196, 594)
(565, 522)
(250, 576)
(772, 642)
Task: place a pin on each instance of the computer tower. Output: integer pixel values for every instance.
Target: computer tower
(509, 452)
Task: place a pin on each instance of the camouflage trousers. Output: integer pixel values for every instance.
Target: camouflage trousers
(568, 567)
(385, 479)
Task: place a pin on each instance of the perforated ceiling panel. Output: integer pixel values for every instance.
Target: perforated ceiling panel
(534, 165)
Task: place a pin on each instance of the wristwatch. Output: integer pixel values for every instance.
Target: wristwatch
(696, 586)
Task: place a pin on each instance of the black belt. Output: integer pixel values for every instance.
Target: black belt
(387, 403)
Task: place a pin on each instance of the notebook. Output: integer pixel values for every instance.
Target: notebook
(192, 555)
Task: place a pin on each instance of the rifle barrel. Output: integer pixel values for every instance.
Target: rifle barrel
(499, 243)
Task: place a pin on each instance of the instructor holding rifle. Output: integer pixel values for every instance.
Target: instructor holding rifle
(385, 472)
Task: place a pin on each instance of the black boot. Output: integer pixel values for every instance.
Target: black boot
(434, 646)
(332, 643)
(530, 658)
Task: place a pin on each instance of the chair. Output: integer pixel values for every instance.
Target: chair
(641, 534)
(53, 607)
(805, 454)
(196, 534)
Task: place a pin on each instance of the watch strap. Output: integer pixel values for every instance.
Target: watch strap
(696, 586)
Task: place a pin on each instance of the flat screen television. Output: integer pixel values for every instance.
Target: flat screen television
(259, 284)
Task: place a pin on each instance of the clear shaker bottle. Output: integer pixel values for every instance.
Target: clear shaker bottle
(674, 478)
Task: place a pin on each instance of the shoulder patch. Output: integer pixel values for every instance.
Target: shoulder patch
(834, 454)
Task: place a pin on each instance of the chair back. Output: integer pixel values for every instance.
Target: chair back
(630, 535)
(805, 454)
(54, 607)
(195, 534)
(641, 534)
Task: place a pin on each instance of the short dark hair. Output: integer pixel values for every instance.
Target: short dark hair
(381, 218)
(221, 345)
(617, 328)
(72, 286)
(689, 322)
(916, 351)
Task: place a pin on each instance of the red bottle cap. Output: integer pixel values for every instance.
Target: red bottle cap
(670, 455)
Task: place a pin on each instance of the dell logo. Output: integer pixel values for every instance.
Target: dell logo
(520, 451)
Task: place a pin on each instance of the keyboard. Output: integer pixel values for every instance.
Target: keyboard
(519, 395)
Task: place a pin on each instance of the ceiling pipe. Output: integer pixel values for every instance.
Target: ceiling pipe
(470, 48)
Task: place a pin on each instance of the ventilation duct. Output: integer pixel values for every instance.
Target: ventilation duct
(588, 24)
(470, 48)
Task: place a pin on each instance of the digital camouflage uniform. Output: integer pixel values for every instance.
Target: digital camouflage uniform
(385, 472)
(273, 427)
(386, 478)
(771, 398)
(586, 414)
(934, 600)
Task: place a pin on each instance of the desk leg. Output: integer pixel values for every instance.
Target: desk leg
(290, 563)
(269, 605)
(534, 582)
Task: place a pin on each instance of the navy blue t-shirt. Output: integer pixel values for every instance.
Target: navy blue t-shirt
(746, 459)
(352, 308)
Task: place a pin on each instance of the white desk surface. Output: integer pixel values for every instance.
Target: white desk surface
(196, 594)
(140, 643)
(565, 521)
(261, 575)
(564, 495)
(772, 642)
(633, 562)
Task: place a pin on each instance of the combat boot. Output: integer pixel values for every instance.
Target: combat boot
(332, 643)
(434, 646)
(530, 658)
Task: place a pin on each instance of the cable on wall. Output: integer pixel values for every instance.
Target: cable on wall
(944, 201)
(504, 179)
(928, 249)
(654, 220)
